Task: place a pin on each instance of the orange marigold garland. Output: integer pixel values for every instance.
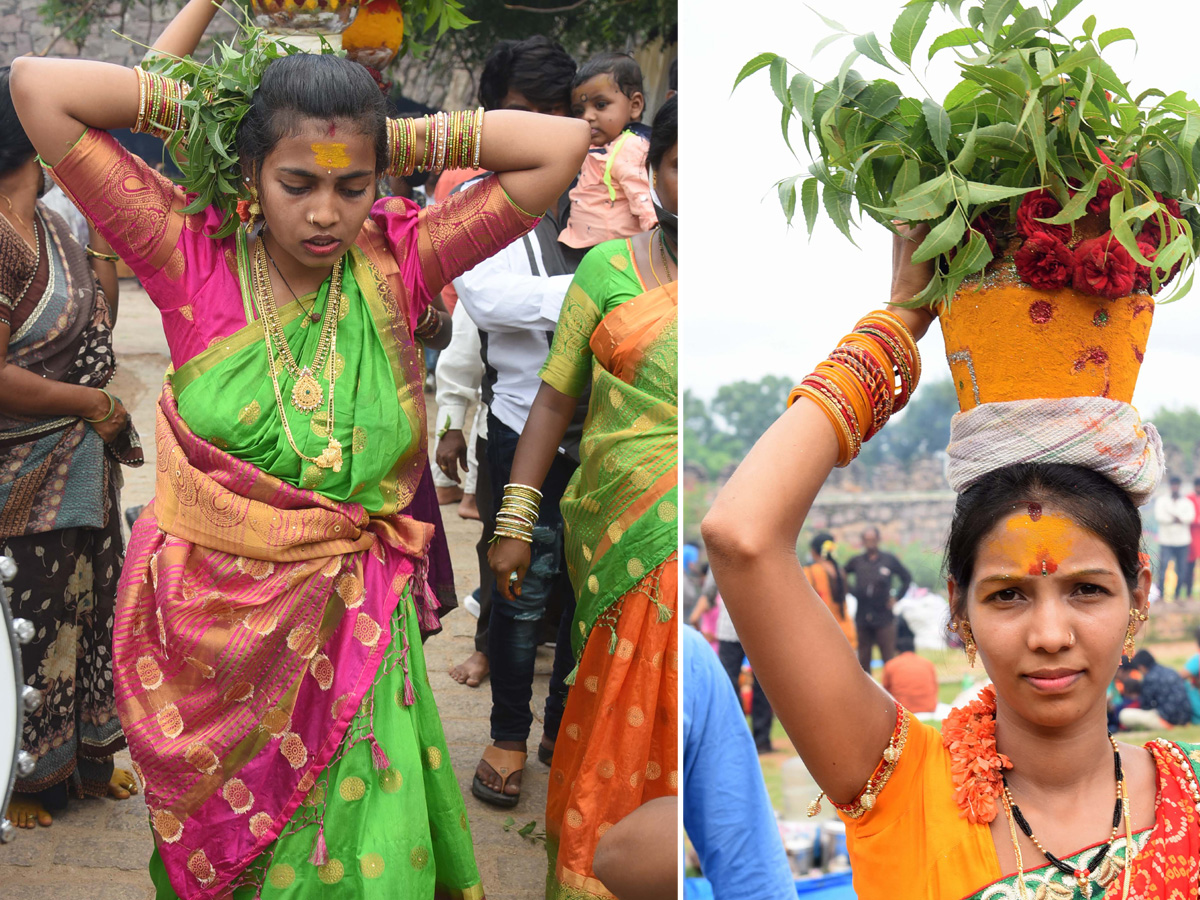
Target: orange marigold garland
(969, 734)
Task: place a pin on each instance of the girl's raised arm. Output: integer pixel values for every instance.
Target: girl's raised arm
(58, 98)
(837, 716)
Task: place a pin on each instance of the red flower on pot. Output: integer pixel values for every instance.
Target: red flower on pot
(1142, 277)
(1040, 204)
(1045, 262)
(1104, 268)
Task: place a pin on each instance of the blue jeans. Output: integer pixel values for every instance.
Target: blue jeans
(517, 625)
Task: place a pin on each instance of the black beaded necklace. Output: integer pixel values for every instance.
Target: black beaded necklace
(1081, 876)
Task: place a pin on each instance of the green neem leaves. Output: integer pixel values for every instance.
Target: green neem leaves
(1035, 108)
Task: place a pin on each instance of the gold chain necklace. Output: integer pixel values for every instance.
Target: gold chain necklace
(650, 253)
(331, 456)
(1084, 875)
(307, 394)
(662, 246)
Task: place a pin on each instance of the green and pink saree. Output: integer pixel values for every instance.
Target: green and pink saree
(267, 647)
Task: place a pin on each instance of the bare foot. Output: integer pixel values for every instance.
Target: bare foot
(468, 508)
(122, 785)
(472, 670)
(25, 812)
(451, 494)
(491, 778)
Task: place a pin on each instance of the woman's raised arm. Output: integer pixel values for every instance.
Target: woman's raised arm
(837, 716)
(535, 155)
(58, 98)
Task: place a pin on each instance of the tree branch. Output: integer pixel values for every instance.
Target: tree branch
(87, 8)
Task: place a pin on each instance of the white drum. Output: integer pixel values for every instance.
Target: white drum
(15, 698)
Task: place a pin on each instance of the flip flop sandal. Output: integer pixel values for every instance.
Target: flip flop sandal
(506, 763)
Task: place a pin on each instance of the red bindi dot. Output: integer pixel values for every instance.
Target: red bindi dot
(1035, 511)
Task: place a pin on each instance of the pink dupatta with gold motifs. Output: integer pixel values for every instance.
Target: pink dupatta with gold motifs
(238, 593)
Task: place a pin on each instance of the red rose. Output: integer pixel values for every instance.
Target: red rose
(983, 225)
(1040, 204)
(1108, 189)
(1142, 276)
(1045, 262)
(1104, 268)
(1152, 231)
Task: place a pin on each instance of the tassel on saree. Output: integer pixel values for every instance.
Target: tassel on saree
(379, 758)
(320, 854)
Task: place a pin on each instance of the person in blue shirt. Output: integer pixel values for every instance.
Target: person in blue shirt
(726, 811)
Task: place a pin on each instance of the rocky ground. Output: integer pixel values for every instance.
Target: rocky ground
(98, 850)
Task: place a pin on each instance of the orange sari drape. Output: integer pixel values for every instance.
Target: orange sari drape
(819, 579)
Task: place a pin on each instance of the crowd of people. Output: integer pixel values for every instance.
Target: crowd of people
(258, 646)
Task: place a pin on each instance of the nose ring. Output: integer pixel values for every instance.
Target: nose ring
(311, 217)
(1071, 642)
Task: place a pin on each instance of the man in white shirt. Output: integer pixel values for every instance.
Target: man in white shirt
(1175, 514)
(514, 298)
(459, 377)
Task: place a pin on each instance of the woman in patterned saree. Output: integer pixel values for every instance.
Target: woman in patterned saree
(61, 439)
(267, 647)
(1023, 794)
(618, 332)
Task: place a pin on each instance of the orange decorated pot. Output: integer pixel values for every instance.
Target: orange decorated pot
(304, 16)
(1006, 340)
(374, 37)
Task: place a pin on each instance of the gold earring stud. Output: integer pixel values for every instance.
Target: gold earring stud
(968, 640)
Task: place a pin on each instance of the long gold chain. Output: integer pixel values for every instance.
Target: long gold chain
(331, 456)
(307, 394)
(662, 246)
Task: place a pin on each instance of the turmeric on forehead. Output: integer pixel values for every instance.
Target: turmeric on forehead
(1038, 541)
(331, 156)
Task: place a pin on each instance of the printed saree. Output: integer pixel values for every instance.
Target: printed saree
(914, 836)
(267, 645)
(59, 510)
(619, 737)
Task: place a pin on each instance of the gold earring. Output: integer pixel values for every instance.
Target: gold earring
(1135, 616)
(255, 209)
(968, 640)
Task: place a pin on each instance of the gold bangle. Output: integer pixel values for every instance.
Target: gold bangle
(96, 254)
(112, 407)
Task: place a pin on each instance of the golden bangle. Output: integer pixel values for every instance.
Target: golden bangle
(96, 254)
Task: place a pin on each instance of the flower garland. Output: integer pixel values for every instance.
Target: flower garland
(969, 734)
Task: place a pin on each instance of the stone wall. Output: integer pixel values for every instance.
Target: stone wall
(23, 31)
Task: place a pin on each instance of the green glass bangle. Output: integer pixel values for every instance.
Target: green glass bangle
(112, 407)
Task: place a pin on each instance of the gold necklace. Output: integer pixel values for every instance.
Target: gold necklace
(1123, 793)
(16, 214)
(307, 394)
(650, 253)
(331, 456)
(662, 246)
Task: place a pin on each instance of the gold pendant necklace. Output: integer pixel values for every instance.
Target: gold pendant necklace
(331, 456)
(307, 393)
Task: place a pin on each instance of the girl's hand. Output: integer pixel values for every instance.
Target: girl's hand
(114, 424)
(507, 557)
(909, 279)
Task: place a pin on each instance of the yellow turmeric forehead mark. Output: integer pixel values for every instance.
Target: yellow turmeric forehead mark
(1037, 541)
(331, 156)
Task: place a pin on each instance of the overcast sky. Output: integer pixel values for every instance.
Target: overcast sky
(761, 299)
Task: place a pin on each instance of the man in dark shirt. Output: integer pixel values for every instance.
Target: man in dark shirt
(1163, 690)
(871, 575)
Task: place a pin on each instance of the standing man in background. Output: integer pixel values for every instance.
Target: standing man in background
(872, 574)
(1175, 514)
